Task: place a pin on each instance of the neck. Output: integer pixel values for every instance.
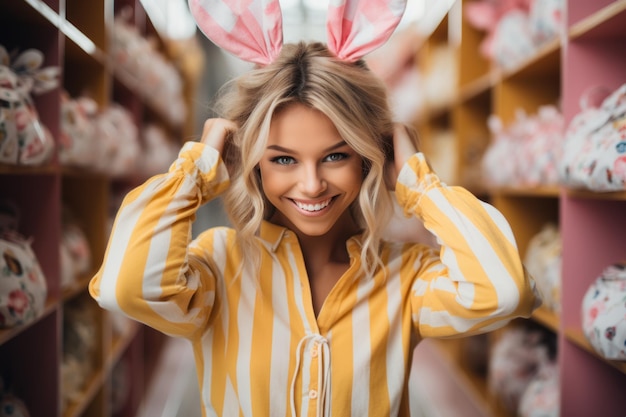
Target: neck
(329, 247)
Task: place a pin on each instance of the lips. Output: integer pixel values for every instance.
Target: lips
(313, 207)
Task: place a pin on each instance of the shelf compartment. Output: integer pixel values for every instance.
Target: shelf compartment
(526, 93)
(470, 120)
(527, 214)
(85, 309)
(9, 333)
(442, 357)
(28, 365)
(577, 337)
(33, 11)
(88, 201)
(77, 287)
(23, 27)
(88, 19)
(39, 214)
(605, 20)
(85, 74)
(475, 65)
(547, 318)
(478, 87)
(592, 195)
(546, 60)
(539, 191)
(93, 385)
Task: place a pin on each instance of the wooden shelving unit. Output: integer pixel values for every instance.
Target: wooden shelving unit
(75, 36)
(586, 55)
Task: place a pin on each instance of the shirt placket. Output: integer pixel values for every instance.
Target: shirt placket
(314, 354)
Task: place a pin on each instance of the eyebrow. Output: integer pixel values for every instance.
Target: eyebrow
(287, 150)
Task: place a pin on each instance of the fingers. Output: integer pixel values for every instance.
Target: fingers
(404, 145)
(216, 131)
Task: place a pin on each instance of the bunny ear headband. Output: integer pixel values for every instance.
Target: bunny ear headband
(252, 29)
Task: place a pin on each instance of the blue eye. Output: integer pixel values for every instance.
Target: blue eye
(334, 157)
(283, 160)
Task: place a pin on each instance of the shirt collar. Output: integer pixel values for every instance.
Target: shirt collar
(273, 234)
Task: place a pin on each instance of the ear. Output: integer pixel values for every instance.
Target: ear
(251, 30)
(357, 27)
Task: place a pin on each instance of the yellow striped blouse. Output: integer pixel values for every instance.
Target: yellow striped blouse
(259, 348)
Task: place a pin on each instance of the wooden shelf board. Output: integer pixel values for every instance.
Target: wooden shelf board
(43, 10)
(8, 169)
(82, 41)
(547, 59)
(439, 111)
(606, 22)
(93, 385)
(76, 288)
(539, 191)
(96, 381)
(594, 195)
(577, 337)
(474, 385)
(477, 87)
(130, 82)
(120, 344)
(547, 318)
(84, 173)
(9, 333)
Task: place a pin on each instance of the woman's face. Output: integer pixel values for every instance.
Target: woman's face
(308, 173)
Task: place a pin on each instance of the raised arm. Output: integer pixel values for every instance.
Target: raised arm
(148, 273)
(478, 282)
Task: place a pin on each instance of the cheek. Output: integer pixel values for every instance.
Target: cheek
(353, 178)
(272, 183)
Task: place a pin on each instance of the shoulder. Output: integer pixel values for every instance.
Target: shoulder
(408, 252)
(215, 240)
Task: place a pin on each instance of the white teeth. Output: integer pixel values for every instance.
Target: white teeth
(313, 207)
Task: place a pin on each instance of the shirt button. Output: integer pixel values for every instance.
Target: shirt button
(314, 351)
(312, 394)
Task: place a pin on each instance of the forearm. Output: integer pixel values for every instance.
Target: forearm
(483, 281)
(145, 272)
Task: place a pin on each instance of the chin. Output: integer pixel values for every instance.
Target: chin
(313, 231)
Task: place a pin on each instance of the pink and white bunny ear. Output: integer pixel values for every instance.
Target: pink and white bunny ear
(249, 29)
(357, 27)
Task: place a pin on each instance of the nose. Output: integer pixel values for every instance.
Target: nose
(311, 181)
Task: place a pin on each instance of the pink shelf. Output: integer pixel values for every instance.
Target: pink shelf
(592, 224)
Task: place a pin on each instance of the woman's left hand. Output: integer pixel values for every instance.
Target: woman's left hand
(404, 146)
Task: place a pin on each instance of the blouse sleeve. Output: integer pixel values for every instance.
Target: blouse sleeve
(476, 283)
(148, 273)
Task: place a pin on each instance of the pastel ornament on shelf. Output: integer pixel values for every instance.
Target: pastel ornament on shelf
(20, 125)
(158, 153)
(543, 261)
(513, 364)
(78, 142)
(542, 396)
(488, 16)
(11, 405)
(546, 19)
(604, 313)
(23, 287)
(75, 253)
(119, 136)
(594, 154)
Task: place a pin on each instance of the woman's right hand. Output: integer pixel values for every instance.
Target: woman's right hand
(216, 131)
(405, 145)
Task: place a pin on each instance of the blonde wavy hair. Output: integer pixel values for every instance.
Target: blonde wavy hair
(349, 94)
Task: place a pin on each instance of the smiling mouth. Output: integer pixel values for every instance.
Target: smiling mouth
(312, 208)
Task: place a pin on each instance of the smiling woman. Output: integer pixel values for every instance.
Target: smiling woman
(301, 308)
(309, 174)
